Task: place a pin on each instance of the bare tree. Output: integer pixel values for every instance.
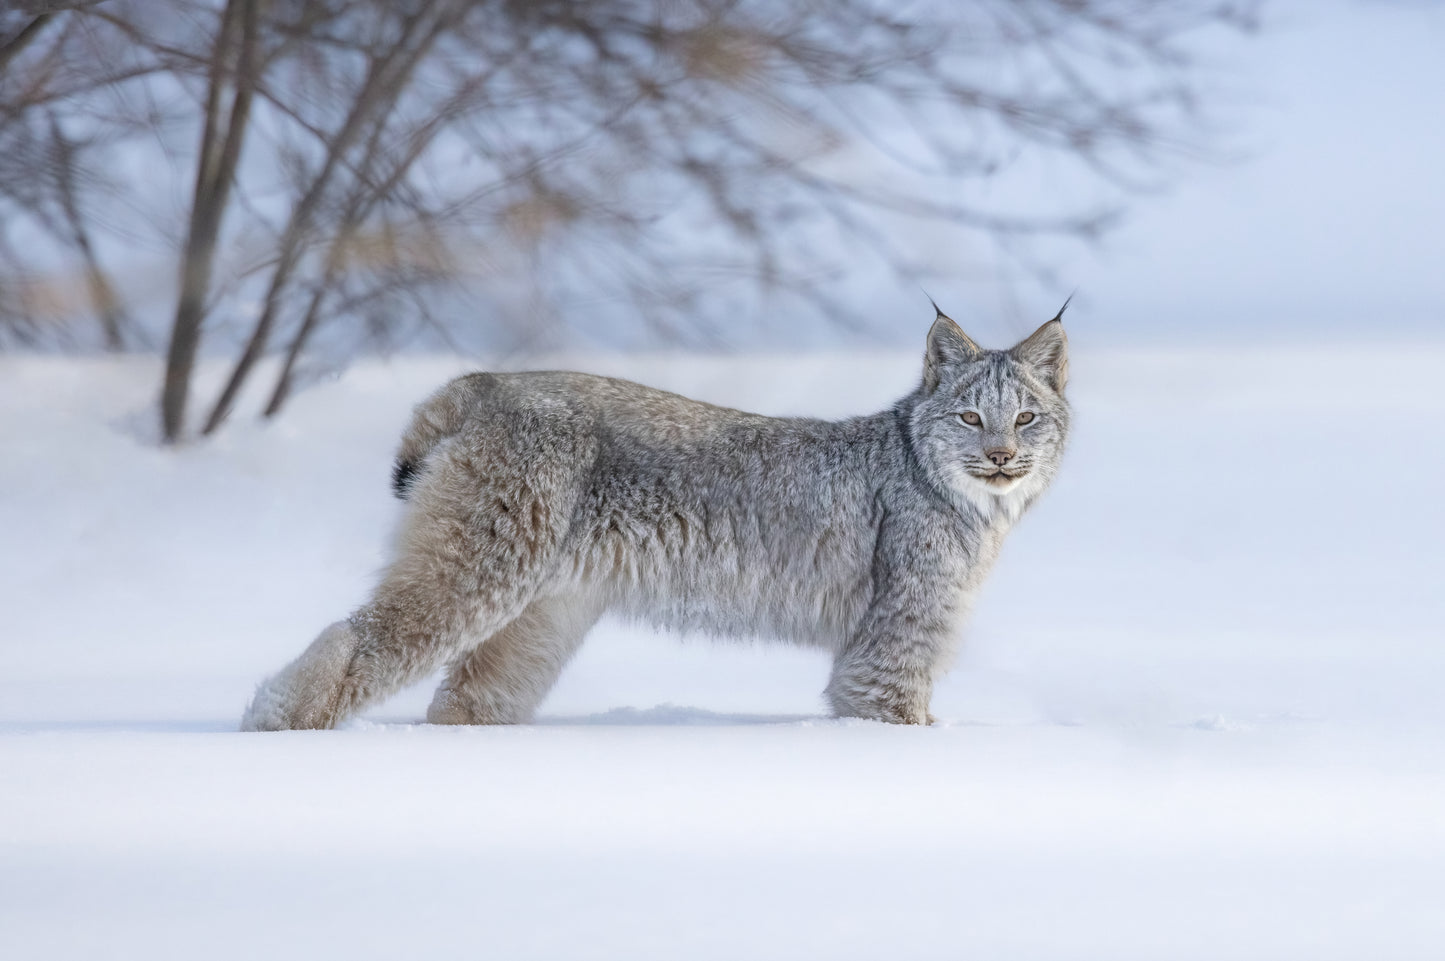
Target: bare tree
(390, 66)
(52, 158)
(516, 158)
(231, 86)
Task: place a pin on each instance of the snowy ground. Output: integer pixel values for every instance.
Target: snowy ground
(1196, 715)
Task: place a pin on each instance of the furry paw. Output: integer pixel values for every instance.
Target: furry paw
(452, 707)
(448, 707)
(879, 699)
(306, 693)
(267, 710)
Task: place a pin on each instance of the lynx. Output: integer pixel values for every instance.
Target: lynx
(536, 502)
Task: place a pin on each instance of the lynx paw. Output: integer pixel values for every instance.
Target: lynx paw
(451, 707)
(447, 707)
(891, 707)
(306, 693)
(267, 710)
(879, 696)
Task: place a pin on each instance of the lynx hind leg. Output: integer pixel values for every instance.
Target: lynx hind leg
(303, 695)
(506, 677)
(409, 627)
(482, 532)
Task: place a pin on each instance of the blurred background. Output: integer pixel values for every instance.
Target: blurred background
(313, 182)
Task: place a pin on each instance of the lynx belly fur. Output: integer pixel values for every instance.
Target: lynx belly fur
(539, 501)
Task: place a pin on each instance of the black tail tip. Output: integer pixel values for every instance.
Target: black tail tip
(403, 475)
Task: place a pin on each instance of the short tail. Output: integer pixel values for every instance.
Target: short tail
(438, 417)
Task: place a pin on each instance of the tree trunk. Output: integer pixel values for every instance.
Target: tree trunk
(214, 175)
(282, 390)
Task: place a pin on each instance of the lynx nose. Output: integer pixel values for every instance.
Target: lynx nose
(1000, 456)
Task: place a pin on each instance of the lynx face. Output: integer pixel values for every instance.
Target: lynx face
(991, 425)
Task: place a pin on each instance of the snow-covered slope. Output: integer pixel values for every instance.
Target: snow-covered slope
(1196, 715)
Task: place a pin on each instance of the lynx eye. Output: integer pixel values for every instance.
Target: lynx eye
(1024, 418)
(970, 418)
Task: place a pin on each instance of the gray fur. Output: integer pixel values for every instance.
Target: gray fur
(539, 501)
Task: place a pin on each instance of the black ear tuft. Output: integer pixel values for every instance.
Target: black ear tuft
(403, 475)
(1060, 315)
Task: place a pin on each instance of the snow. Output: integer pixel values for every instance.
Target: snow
(1195, 716)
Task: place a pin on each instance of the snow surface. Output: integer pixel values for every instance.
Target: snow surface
(1195, 716)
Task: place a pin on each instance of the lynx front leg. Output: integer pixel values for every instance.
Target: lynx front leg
(880, 687)
(506, 677)
(886, 671)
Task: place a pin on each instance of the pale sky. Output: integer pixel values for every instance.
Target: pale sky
(1329, 228)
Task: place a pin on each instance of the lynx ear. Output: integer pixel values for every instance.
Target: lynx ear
(1046, 350)
(948, 345)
